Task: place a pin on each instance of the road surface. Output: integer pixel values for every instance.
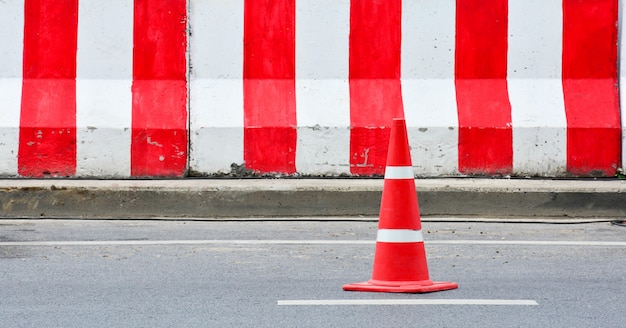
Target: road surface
(73, 273)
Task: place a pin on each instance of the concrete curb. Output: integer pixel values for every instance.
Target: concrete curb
(306, 198)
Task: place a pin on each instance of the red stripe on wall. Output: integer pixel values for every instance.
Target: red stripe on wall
(47, 145)
(485, 132)
(590, 87)
(375, 90)
(269, 86)
(159, 118)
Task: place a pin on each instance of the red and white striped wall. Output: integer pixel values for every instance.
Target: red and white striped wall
(93, 88)
(123, 88)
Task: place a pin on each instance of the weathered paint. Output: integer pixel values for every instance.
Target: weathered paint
(103, 88)
(428, 92)
(216, 85)
(12, 36)
(375, 92)
(159, 115)
(310, 87)
(485, 131)
(269, 86)
(535, 88)
(47, 145)
(590, 86)
(322, 89)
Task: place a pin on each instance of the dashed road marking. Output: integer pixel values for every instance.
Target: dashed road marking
(408, 302)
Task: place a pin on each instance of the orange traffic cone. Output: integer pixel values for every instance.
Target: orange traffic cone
(400, 259)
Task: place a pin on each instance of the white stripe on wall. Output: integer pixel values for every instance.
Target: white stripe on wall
(12, 36)
(428, 91)
(535, 87)
(216, 85)
(103, 88)
(322, 89)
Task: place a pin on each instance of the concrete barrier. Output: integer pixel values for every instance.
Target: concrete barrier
(503, 88)
(93, 88)
(145, 88)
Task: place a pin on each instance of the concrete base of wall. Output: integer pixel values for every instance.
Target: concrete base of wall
(300, 198)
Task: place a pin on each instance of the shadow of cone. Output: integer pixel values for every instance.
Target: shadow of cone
(400, 260)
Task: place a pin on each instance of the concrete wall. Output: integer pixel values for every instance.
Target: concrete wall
(147, 88)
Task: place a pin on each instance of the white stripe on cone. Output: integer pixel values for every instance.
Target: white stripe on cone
(399, 172)
(399, 236)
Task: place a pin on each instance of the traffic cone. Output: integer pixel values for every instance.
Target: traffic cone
(400, 259)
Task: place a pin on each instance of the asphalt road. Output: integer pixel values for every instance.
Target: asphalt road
(59, 273)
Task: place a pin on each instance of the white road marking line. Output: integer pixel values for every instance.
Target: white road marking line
(181, 242)
(303, 242)
(529, 242)
(408, 302)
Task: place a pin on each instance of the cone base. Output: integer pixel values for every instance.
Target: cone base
(425, 286)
